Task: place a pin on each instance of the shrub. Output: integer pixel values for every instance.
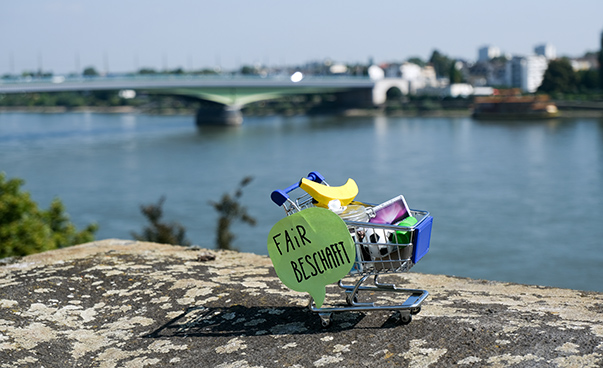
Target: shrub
(158, 231)
(25, 229)
(230, 210)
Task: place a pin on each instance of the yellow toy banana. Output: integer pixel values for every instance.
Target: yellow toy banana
(323, 194)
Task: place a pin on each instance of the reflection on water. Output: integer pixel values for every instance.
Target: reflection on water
(512, 201)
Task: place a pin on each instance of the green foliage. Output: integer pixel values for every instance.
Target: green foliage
(248, 70)
(25, 229)
(455, 73)
(588, 80)
(559, 78)
(205, 72)
(600, 58)
(147, 71)
(441, 64)
(64, 233)
(38, 74)
(90, 72)
(358, 70)
(68, 99)
(231, 210)
(160, 232)
(104, 98)
(417, 60)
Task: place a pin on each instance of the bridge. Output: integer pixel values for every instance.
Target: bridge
(228, 93)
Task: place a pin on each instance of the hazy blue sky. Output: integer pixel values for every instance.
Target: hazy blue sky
(122, 35)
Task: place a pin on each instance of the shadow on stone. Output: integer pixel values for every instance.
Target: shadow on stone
(239, 320)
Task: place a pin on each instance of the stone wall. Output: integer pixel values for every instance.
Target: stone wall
(117, 303)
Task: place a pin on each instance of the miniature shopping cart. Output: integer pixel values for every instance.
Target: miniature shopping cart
(380, 249)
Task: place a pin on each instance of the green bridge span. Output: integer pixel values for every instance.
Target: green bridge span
(229, 93)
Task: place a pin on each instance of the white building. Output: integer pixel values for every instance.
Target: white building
(414, 76)
(429, 76)
(487, 53)
(410, 71)
(418, 77)
(456, 90)
(526, 73)
(547, 50)
(581, 64)
(459, 89)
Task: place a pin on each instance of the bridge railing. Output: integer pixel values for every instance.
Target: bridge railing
(58, 79)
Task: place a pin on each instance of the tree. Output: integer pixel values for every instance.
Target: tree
(559, 77)
(455, 74)
(25, 229)
(160, 232)
(588, 80)
(601, 63)
(248, 70)
(147, 71)
(441, 64)
(417, 60)
(90, 72)
(230, 210)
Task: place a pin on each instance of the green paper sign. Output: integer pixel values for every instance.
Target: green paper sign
(311, 249)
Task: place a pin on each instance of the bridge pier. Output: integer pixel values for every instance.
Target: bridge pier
(219, 115)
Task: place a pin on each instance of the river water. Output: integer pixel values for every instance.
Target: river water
(511, 201)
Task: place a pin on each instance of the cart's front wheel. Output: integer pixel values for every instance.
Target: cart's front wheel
(405, 318)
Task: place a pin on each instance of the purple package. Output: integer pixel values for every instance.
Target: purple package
(391, 212)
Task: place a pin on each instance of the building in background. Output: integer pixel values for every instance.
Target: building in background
(414, 77)
(547, 50)
(487, 53)
(526, 72)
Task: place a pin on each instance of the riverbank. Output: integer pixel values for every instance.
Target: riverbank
(123, 303)
(89, 109)
(563, 113)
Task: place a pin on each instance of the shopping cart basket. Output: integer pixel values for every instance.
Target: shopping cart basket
(380, 249)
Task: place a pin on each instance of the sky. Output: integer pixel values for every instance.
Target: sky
(65, 36)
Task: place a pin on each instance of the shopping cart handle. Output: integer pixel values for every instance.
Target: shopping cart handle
(280, 196)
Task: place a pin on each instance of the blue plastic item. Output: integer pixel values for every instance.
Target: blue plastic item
(280, 196)
(422, 236)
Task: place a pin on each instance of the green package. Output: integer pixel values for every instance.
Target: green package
(403, 237)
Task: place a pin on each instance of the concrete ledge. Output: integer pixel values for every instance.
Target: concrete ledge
(117, 303)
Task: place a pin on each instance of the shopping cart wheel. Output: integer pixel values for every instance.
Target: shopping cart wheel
(405, 317)
(351, 300)
(325, 319)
